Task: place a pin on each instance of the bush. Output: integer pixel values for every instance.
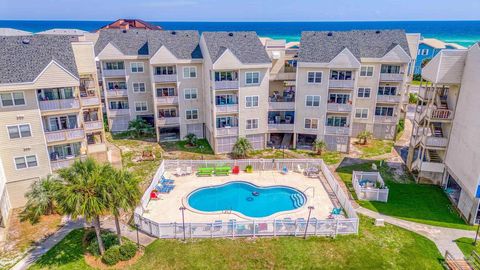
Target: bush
(127, 251)
(109, 239)
(111, 256)
(401, 126)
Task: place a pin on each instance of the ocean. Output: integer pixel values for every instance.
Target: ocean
(462, 32)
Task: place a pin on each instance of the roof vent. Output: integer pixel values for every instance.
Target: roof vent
(377, 32)
(26, 41)
(230, 34)
(330, 34)
(124, 31)
(174, 33)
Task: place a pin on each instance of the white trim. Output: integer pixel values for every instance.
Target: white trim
(356, 96)
(136, 72)
(189, 67)
(144, 87)
(146, 106)
(310, 128)
(11, 94)
(258, 102)
(19, 132)
(191, 110)
(355, 113)
(321, 77)
(246, 123)
(26, 163)
(366, 72)
(313, 101)
(252, 83)
(185, 90)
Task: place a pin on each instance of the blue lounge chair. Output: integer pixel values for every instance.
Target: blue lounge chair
(336, 211)
(284, 170)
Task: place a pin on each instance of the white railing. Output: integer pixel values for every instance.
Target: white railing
(118, 112)
(337, 130)
(168, 121)
(64, 135)
(389, 98)
(344, 84)
(431, 141)
(64, 163)
(90, 101)
(272, 105)
(117, 93)
(339, 107)
(228, 108)
(280, 127)
(372, 193)
(391, 77)
(59, 104)
(93, 125)
(253, 228)
(113, 72)
(223, 85)
(441, 114)
(385, 119)
(95, 148)
(426, 93)
(167, 78)
(167, 100)
(227, 131)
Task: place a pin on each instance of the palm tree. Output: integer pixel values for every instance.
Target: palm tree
(364, 136)
(319, 146)
(41, 199)
(191, 139)
(241, 148)
(123, 187)
(85, 193)
(138, 127)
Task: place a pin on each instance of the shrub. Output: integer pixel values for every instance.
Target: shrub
(127, 251)
(109, 239)
(191, 139)
(401, 126)
(241, 148)
(412, 98)
(111, 256)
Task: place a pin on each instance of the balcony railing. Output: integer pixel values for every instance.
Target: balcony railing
(389, 98)
(64, 135)
(391, 77)
(167, 100)
(90, 101)
(64, 163)
(165, 78)
(385, 119)
(225, 85)
(59, 104)
(93, 125)
(428, 166)
(342, 84)
(288, 69)
(425, 93)
(168, 121)
(441, 114)
(113, 72)
(117, 93)
(281, 127)
(339, 107)
(337, 130)
(431, 141)
(225, 131)
(281, 105)
(119, 112)
(227, 108)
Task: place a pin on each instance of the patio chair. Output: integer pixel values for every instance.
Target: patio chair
(179, 172)
(217, 225)
(189, 170)
(336, 211)
(284, 170)
(222, 171)
(300, 169)
(205, 172)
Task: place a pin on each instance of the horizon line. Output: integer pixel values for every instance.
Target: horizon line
(201, 21)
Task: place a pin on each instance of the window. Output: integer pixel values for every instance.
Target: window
(62, 122)
(225, 76)
(423, 52)
(312, 101)
(26, 162)
(366, 71)
(166, 92)
(252, 77)
(19, 131)
(114, 65)
(226, 99)
(364, 92)
(190, 93)
(314, 77)
(337, 121)
(339, 98)
(137, 67)
(12, 99)
(361, 113)
(189, 72)
(139, 87)
(141, 106)
(191, 114)
(168, 112)
(387, 90)
(252, 123)
(227, 121)
(384, 111)
(251, 101)
(311, 123)
(165, 70)
(390, 69)
(119, 105)
(116, 85)
(55, 93)
(341, 75)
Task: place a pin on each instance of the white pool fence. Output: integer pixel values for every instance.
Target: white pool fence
(280, 227)
(376, 192)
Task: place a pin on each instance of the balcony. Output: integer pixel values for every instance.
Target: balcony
(65, 163)
(96, 148)
(64, 135)
(59, 104)
(227, 131)
(166, 121)
(167, 100)
(391, 77)
(385, 119)
(118, 112)
(113, 73)
(93, 125)
(342, 84)
(90, 101)
(165, 78)
(287, 76)
(339, 107)
(281, 127)
(426, 166)
(337, 130)
(113, 93)
(226, 85)
(281, 105)
(425, 93)
(227, 108)
(440, 114)
(435, 142)
(389, 98)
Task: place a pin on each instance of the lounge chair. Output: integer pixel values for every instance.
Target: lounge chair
(300, 169)
(217, 225)
(284, 170)
(167, 181)
(205, 172)
(189, 170)
(336, 211)
(222, 171)
(179, 172)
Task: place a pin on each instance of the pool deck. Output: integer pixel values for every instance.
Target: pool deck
(166, 209)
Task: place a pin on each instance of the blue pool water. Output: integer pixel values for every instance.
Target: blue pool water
(247, 199)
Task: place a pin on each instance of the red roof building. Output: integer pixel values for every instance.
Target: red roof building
(131, 24)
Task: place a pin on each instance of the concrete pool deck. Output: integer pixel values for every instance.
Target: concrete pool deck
(166, 209)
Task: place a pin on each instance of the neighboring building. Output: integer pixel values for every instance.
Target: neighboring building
(61, 31)
(50, 108)
(130, 24)
(13, 32)
(348, 82)
(428, 48)
(445, 144)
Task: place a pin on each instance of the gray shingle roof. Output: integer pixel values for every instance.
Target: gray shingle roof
(183, 44)
(246, 46)
(323, 46)
(21, 62)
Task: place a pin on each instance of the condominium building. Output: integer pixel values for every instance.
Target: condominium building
(50, 107)
(445, 143)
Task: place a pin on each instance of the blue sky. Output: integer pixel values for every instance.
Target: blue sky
(241, 10)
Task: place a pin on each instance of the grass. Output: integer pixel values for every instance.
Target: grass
(375, 148)
(330, 157)
(420, 203)
(465, 244)
(388, 247)
(415, 82)
(203, 147)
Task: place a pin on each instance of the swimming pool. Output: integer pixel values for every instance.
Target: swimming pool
(247, 199)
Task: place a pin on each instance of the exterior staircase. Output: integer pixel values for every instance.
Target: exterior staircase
(437, 130)
(433, 156)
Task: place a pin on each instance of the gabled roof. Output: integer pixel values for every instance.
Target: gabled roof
(438, 44)
(13, 32)
(130, 24)
(182, 44)
(246, 46)
(23, 58)
(323, 46)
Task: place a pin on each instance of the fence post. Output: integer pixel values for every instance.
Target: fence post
(234, 227)
(175, 230)
(190, 224)
(211, 230)
(253, 228)
(336, 228)
(274, 228)
(316, 225)
(295, 233)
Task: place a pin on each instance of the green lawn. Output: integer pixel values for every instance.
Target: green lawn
(426, 204)
(330, 157)
(465, 244)
(375, 148)
(203, 147)
(388, 247)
